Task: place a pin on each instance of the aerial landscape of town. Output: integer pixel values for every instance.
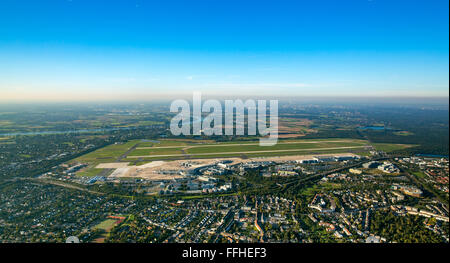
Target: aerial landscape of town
(202, 124)
(127, 179)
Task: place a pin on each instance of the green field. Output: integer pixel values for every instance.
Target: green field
(181, 142)
(248, 148)
(107, 154)
(173, 150)
(142, 160)
(420, 174)
(106, 225)
(389, 147)
(90, 172)
(140, 150)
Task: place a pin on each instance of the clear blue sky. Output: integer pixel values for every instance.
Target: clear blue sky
(144, 49)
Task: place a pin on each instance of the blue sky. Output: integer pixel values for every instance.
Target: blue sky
(73, 49)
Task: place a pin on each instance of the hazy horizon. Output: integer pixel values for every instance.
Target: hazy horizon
(304, 100)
